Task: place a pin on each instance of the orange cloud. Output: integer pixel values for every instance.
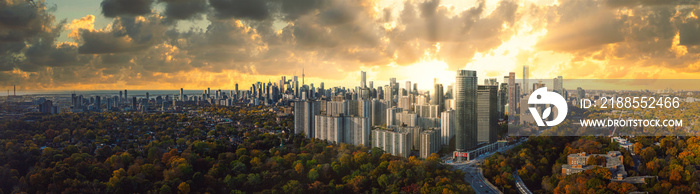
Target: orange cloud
(87, 22)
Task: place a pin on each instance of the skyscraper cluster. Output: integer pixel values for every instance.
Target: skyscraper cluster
(401, 119)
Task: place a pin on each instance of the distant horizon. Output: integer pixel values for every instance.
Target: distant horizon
(610, 87)
(168, 44)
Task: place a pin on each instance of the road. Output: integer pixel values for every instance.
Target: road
(475, 177)
(473, 172)
(520, 184)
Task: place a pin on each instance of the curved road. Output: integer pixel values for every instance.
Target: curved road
(473, 172)
(475, 178)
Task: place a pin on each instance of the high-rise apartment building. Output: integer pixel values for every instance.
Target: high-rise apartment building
(465, 110)
(487, 114)
(343, 129)
(447, 126)
(388, 96)
(304, 112)
(429, 142)
(396, 142)
(378, 112)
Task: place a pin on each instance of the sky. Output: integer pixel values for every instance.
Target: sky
(195, 44)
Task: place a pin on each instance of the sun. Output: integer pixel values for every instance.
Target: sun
(425, 72)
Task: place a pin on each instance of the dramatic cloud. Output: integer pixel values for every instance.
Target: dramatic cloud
(87, 22)
(114, 8)
(145, 45)
(184, 9)
(624, 39)
(293, 9)
(125, 35)
(243, 9)
(460, 34)
(689, 27)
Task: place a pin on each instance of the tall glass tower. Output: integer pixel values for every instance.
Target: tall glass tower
(526, 76)
(465, 110)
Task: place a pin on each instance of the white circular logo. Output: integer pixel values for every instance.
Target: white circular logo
(542, 96)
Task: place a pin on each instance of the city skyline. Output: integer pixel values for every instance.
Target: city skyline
(349, 96)
(78, 45)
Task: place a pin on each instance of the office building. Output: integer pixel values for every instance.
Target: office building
(580, 93)
(47, 107)
(502, 99)
(487, 115)
(526, 76)
(98, 103)
(408, 87)
(558, 85)
(465, 110)
(281, 83)
(296, 86)
(134, 104)
(438, 97)
(363, 82)
(512, 97)
(394, 87)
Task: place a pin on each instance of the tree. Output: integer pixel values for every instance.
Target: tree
(648, 154)
(637, 148)
(292, 186)
(142, 156)
(299, 168)
(184, 188)
(165, 189)
(313, 175)
(621, 187)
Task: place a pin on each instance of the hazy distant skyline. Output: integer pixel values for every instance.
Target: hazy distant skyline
(168, 44)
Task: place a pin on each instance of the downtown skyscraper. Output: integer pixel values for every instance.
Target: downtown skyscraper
(465, 110)
(487, 112)
(363, 80)
(438, 96)
(512, 98)
(526, 82)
